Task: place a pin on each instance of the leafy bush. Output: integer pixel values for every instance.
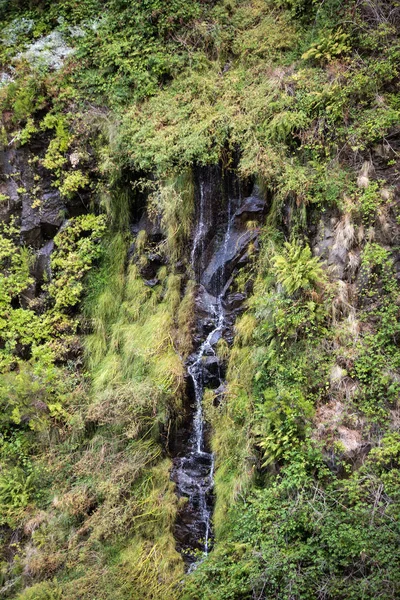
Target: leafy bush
(297, 270)
(76, 247)
(295, 534)
(329, 47)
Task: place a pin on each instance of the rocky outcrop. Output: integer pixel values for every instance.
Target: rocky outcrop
(28, 196)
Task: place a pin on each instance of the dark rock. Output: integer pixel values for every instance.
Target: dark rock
(155, 257)
(27, 296)
(52, 213)
(17, 171)
(252, 208)
(221, 247)
(152, 228)
(8, 184)
(41, 269)
(235, 301)
(212, 372)
(131, 251)
(151, 282)
(31, 231)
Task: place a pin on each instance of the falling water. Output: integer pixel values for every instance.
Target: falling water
(194, 472)
(198, 240)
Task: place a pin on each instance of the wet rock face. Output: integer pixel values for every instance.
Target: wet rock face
(217, 266)
(225, 208)
(218, 195)
(190, 531)
(213, 372)
(224, 260)
(42, 223)
(222, 201)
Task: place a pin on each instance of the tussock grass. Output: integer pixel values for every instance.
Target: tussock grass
(123, 496)
(185, 320)
(173, 199)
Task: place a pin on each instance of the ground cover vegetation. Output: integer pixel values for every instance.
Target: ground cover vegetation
(116, 113)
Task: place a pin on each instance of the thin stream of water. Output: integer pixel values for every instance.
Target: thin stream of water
(194, 472)
(200, 229)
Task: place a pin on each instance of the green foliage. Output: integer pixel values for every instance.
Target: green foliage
(281, 422)
(329, 47)
(285, 124)
(378, 357)
(45, 590)
(296, 7)
(77, 246)
(297, 534)
(279, 371)
(73, 181)
(84, 475)
(15, 263)
(173, 200)
(55, 158)
(25, 97)
(16, 490)
(297, 270)
(370, 201)
(27, 132)
(113, 69)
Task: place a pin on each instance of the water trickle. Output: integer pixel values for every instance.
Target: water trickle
(198, 240)
(193, 470)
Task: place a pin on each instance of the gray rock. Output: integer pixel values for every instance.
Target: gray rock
(49, 51)
(251, 208)
(324, 246)
(212, 371)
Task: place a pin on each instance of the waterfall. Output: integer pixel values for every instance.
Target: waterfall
(196, 372)
(198, 241)
(220, 245)
(193, 469)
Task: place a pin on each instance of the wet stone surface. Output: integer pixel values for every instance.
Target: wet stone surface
(220, 243)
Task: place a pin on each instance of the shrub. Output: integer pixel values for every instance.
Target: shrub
(297, 270)
(329, 47)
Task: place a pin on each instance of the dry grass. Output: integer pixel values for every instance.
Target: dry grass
(343, 302)
(344, 233)
(365, 174)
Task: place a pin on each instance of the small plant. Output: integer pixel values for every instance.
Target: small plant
(329, 47)
(297, 269)
(72, 182)
(77, 246)
(370, 200)
(27, 132)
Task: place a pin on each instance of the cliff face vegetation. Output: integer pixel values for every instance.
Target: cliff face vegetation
(199, 256)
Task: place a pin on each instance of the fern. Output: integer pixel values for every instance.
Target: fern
(296, 269)
(329, 47)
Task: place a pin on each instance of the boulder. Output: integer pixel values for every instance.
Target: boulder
(251, 209)
(212, 372)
